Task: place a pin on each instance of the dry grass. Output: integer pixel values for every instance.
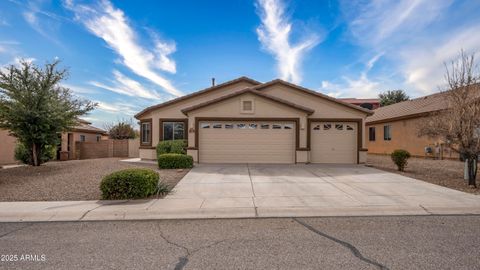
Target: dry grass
(447, 173)
(68, 180)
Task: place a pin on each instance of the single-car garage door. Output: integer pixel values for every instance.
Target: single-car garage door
(333, 142)
(246, 142)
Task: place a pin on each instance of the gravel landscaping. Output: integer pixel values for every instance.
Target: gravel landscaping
(447, 173)
(68, 180)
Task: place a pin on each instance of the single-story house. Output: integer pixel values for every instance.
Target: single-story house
(396, 127)
(246, 121)
(83, 131)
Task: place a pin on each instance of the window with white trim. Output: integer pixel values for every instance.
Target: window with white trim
(173, 131)
(387, 133)
(246, 106)
(146, 129)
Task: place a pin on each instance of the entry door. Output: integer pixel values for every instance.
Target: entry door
(246, 142)
(333, 142)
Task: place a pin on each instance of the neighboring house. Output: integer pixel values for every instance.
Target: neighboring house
(245, 121)
(396, 127)
(83, 132)
(367, 103)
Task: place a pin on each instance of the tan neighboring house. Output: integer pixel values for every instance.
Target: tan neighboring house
(396, 127)
(245, 121)
(84, 131)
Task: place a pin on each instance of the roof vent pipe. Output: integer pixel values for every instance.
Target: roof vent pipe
(213, 82)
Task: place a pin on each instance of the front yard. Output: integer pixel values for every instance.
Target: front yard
(447, 173)
(68, 180)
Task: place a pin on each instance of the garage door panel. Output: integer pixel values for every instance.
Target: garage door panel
(246, 145)
(333, 142)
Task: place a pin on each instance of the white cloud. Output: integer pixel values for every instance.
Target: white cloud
(126, 86)
(415, 36)
(110, 24)
(121, 108)
(45, 26)
(79, 90)
(274, 33)
(362, 87)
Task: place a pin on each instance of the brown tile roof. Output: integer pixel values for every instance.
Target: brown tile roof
(194, 94)
(360, 100)
(409, 109)
(252, 91)
(315, 93)
(84, 126)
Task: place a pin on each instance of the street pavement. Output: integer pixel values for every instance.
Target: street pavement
(381, 242)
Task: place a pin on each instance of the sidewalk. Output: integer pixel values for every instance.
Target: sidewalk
(181, 209)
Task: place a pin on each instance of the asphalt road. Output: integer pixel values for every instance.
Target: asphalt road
(408, 242)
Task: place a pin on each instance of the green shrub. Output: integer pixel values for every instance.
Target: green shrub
(23, 154)
(129, 184)
(400, 158)
(174, 161)
(172, 147)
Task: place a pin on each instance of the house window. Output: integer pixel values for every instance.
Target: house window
(98, 138)
(275, 126)
(371, 134)
(82, 138)
(173, 131)
(265, 126)
(316, 127)
(247, 106)
(228, 126)
(146, 132)
(252, 126)
(241, 126)
(327, 126)
(387, 133)
(339, 126)
(349, 127)
(288, 126)
(217, 125)
(205, 125)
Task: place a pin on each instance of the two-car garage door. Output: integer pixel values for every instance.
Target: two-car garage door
(246, 142)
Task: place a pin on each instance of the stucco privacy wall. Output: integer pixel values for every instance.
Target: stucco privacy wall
(404, 136)
(7, 148)
(323, 108)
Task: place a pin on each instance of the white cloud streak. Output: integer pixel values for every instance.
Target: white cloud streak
(110, 24)
(274, 34)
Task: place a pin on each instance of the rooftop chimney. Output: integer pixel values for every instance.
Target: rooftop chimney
(213, 82)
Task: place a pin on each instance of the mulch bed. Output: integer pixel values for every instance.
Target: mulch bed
(68, 180)
(447, 173)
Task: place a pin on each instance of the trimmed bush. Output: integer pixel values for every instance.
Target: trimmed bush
(172, 147)
(174, 161)
(23, 154)
(129, 184)
(400, 158)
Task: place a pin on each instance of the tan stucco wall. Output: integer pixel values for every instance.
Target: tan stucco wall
(323, 108)
(7, 148)
(174, 110)
(404, 136)
(263, 108)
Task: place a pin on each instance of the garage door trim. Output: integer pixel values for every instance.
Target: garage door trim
(353, 120)
(296, 121)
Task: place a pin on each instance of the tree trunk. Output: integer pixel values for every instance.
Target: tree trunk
(472, 171)
(34, 155)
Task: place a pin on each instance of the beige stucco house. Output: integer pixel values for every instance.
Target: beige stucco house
(396, 127)
(246, 121)
(83, 131)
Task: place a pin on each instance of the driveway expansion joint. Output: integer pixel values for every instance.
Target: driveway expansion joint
(349, 246)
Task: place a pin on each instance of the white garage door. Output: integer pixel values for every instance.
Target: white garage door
(246, 142)
(333, 142)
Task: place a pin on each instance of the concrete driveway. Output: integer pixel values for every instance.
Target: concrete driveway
(311, 190)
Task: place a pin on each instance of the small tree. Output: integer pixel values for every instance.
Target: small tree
(35, 108)
(392, 96)
(123, 129)
(400, 158)
(459, 125)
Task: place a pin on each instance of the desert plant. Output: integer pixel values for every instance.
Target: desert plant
(174, 161)
(129, 184)
(35, 107)
(172, 147)
(25, 156)
(122, 129)
(400, 158)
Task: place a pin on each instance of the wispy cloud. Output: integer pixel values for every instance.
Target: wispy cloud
(121, 108)
(127, 86)
(110, 24)
(275, 32)
(416, 36)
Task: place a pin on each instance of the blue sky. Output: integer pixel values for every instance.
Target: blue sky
(127, 55)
